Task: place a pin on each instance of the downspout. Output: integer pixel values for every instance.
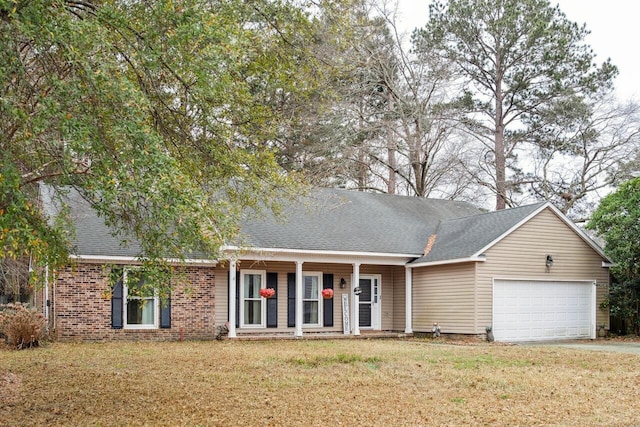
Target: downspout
(53, 290)
(46, 303)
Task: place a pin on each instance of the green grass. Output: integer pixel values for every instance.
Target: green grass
(341, 358)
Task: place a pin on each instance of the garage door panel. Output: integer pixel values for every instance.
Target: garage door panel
(542, 310)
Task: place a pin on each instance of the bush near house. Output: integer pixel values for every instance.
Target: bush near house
(20, 326)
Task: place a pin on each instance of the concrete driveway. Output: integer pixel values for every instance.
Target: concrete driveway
(598, 345)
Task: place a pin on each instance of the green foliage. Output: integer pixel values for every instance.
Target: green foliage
(24, 231)
(161, 114)
(21, 326)
(617, 221)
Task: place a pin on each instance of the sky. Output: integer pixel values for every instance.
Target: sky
(614, 33)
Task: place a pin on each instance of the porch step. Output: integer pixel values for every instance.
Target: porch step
(253, 336)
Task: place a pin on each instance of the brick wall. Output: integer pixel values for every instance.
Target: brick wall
(81, 308)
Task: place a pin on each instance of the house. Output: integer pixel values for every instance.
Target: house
(393, 263)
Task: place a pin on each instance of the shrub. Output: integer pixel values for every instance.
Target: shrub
(21, 327)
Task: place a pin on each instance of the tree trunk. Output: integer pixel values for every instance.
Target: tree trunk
(500, 160)
(391, 149)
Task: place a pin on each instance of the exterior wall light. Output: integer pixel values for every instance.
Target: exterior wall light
(549, 261)
(343, 283)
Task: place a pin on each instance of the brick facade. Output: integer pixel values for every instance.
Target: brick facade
(81, 307)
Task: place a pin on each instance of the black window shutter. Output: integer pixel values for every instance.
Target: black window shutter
(272, 303)
(116, 301)
(237, 296)
(327, 309)
(165, 314)
(291, 299)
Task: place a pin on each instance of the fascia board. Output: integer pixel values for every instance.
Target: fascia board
(305, 255)
(136, 260)
(479, 258)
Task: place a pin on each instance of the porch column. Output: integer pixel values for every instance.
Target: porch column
(299, 298)
(356, 299)
(408, 299)
(232, 298)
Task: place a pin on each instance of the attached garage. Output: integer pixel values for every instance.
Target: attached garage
(536, 310)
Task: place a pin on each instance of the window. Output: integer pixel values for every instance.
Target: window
(252, 306)
(140, 302)
(311, 299)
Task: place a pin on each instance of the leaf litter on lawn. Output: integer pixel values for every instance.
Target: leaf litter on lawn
(315, 382)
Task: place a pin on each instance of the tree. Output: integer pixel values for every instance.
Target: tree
(578, 159)
(617, 221)
(390, 126)
(161, 114)
(523, 60)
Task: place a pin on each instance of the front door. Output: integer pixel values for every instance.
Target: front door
(369, 310)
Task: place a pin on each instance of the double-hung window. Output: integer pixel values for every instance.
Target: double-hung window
(141, 303)
(311, 299)
(253, 313)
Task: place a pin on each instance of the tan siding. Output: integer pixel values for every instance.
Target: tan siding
(522, 254)
(399, 321)
(444, 294)
(338, 270)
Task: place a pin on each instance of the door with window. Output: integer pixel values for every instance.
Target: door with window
(252, 307)
(312, 299)
(369, 306)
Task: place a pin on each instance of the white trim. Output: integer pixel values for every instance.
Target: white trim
(232, 298)
(594, 315)
(588, 240)
(408, 300)
(593, 302)
(136, 260)
(475, 258)
(355, 307)
(298, 329)
(607, 264)
(305, 255)
(560, 216)
(319, 300)
(376, 308)
(125, 294)
(45, 302)
(544, 279)
(263, 301)
(512, 229)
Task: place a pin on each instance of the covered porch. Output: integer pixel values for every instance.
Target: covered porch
(364, 294)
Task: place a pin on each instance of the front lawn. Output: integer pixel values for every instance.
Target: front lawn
(324, 383)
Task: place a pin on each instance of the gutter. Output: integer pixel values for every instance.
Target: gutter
(134, 260)
(478, 258)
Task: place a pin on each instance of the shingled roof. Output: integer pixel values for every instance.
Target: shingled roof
(465, 237)
(91, 236)
(352, 221)
(331, 220)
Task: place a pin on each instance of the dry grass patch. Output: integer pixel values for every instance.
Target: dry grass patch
(342, 382)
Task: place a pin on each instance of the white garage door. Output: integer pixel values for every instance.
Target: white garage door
(539, 310)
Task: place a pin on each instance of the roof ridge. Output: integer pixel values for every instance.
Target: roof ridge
(496, 212)
(403, 196)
